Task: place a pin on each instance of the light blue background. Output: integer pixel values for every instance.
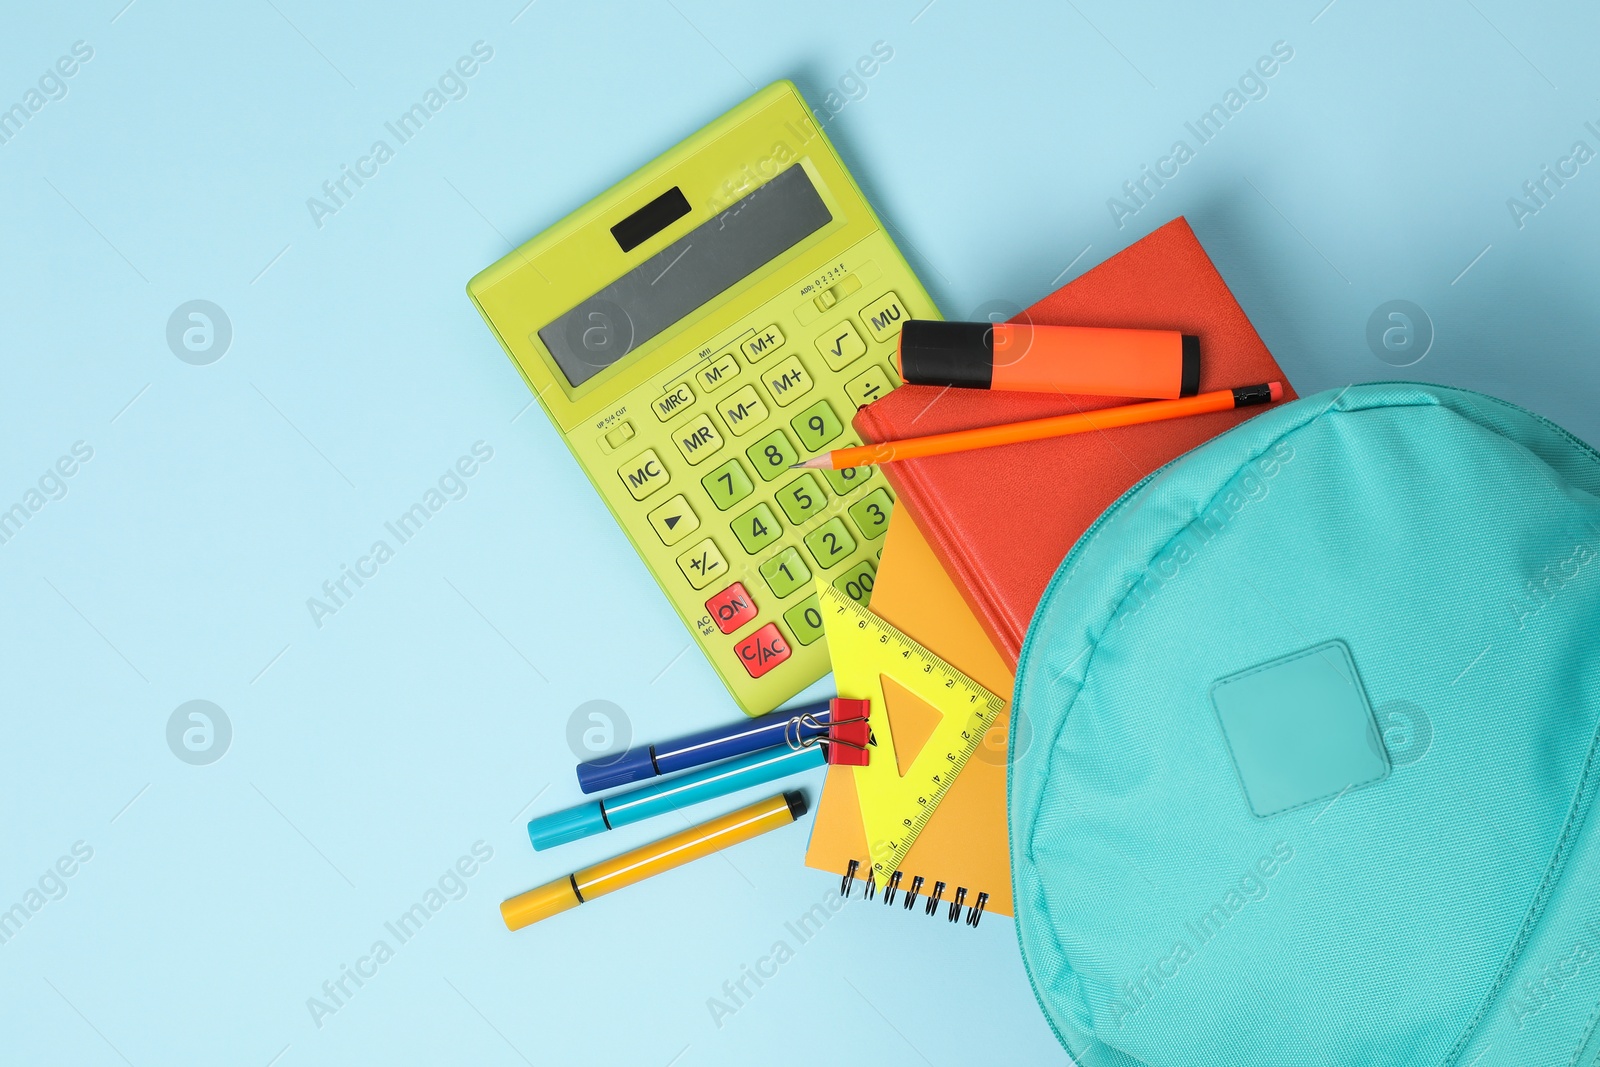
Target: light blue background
(369, 754)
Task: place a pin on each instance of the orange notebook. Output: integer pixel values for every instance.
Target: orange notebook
(965, 844)
(1001, 519)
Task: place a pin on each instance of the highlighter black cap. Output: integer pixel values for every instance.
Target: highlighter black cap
(1191, 366)
(796, 801)
(933, 352)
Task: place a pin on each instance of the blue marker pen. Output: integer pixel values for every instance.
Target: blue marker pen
(707, 746)
(636, 805)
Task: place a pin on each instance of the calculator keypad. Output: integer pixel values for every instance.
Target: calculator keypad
(751, 532)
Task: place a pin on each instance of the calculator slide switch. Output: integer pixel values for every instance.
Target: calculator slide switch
(620, 435)
(732, 608)
(762, 650)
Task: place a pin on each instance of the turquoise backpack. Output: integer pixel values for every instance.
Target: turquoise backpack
(1304, 748)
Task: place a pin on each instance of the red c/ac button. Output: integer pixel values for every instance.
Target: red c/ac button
(763, 650)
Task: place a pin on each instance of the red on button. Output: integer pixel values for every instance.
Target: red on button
(732, 608)
(762, 650)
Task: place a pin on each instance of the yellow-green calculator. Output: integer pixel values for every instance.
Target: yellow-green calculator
(693, 332)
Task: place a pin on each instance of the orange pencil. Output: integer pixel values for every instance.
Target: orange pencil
(1037, 429)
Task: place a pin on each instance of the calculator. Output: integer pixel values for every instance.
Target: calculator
(693, 333)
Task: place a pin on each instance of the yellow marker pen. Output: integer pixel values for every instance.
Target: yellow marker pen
(630, 867)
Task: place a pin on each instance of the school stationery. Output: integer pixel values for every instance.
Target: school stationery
(1034, 357)
(914, 764)
(795, 727)
(670, 794)
(693, 332)
(964, 844)
(1041, 429)
(582, 886)
(1000, 521)
(1316, 737)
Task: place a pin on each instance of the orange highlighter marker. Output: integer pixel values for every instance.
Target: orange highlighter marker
(1095, 361)
(566, 893)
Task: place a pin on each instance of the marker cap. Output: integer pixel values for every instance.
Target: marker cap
(573, 824)
(934, 352)
(541, 903)
(608, 772)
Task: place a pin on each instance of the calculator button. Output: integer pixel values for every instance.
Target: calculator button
(871, 513)
(732, 608)
(702, 563)
(674, 520)
(816, 426)
(743, 411)
(620, 434)
(805, 620)
(830, 543)
(883, 317)
(756, 528)
(840, 344)
(802, 498)
(644, 474)
(785, 573)
(698, 440)
(865, 388)
(673, 401)
(856, 583)
(714, 376)
(727, 485)
(772, 455)
(788, 381)
(848, 480)
(762, 650)
(763, 344)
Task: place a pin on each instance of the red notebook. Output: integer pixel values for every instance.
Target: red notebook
(1001, 519)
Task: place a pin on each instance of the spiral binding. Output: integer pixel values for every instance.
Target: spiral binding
(935, 897)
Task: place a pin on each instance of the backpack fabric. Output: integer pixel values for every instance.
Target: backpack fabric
(1304, 748)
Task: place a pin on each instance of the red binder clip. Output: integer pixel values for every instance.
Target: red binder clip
(849, 732)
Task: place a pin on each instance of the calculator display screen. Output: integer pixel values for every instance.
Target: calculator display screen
(700, 265)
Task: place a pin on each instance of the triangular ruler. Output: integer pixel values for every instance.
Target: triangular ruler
(866, 650)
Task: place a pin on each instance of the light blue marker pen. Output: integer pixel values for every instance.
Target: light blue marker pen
(670, 794)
